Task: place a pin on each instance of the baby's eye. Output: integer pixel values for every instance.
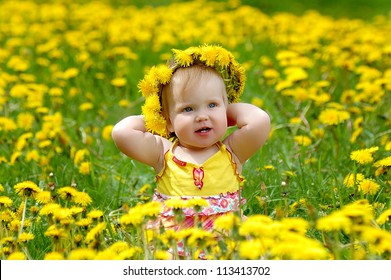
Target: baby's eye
(212, 105)
(187, 109)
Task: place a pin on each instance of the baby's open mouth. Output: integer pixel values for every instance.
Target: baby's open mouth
(203, 130)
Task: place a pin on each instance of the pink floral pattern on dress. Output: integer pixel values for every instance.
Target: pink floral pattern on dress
(217, 204)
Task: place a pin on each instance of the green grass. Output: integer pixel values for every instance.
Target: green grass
(116, 179)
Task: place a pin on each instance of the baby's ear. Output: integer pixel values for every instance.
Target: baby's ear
(170, 128)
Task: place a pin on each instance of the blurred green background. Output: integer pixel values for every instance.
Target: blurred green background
(362, 9)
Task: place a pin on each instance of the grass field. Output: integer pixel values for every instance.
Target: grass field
(319, 188)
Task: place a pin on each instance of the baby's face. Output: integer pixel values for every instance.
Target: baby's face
(198, 114)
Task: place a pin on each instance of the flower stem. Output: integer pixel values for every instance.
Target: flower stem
(23, 216)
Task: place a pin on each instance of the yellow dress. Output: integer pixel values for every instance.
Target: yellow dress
(216, 181)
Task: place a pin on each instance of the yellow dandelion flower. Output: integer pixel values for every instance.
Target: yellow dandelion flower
(85, 168)
(332, 116)
(148, 87)
(209, 55)
(226, 222)
(106, 255)
(163, 74)
(352, 179)
(379, 240)
(295, 120)
(384, 217)
(75, 210)
(144, 189)
(368, 186)
(359, 212)
(70, 73)
(54, 256)
(1, 186)
(302, 140)
(257, 102)
(7, 241)
(162, 255)
(82, 198)
(289, 173)
(106, 132)
(134, 218)
(27, 189)
(335, 221)
(44, 144)
(296, 225)
(5, 201)
(49, 209)
(124, 103)
(318, 133)
(43, 197)
(56, 91)
(271, 74)
(253, 249)
(385, 162)
(95, 232)
(175, 203)
(83, 222)
(67, 193)
(224, 58)
(129, 254)
(86, 106)
(62, 214)
(183, 58)
(80, 156)
(7, 124)
(297, 247)
(25, 120)
(95, 214)
(197, 202)
(7, 216)
(151, 209)
(14, 225)
(56, 233)
(25, 236)
(119, 246)
(82, 254)
(257, 225)
(269, 167)
(295, 74)
(196, 236)
(17, 256)
(32, 155)
(118, 82)
(363, 156)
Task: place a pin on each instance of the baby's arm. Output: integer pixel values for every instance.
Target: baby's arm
(253, 129)
(131, 138)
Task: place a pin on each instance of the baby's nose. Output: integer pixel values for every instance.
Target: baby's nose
(201, 117)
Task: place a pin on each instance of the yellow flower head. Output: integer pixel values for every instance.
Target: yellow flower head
(332, 116)
(18, 256)
(352, 179)
(368, 186)
(82, 254)
(226, 222)
(384, 217)
(43, 197)
(54, 256)
(25, 236)
(212, 56)
(5, 201)
(27, 189)
(363, 156)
